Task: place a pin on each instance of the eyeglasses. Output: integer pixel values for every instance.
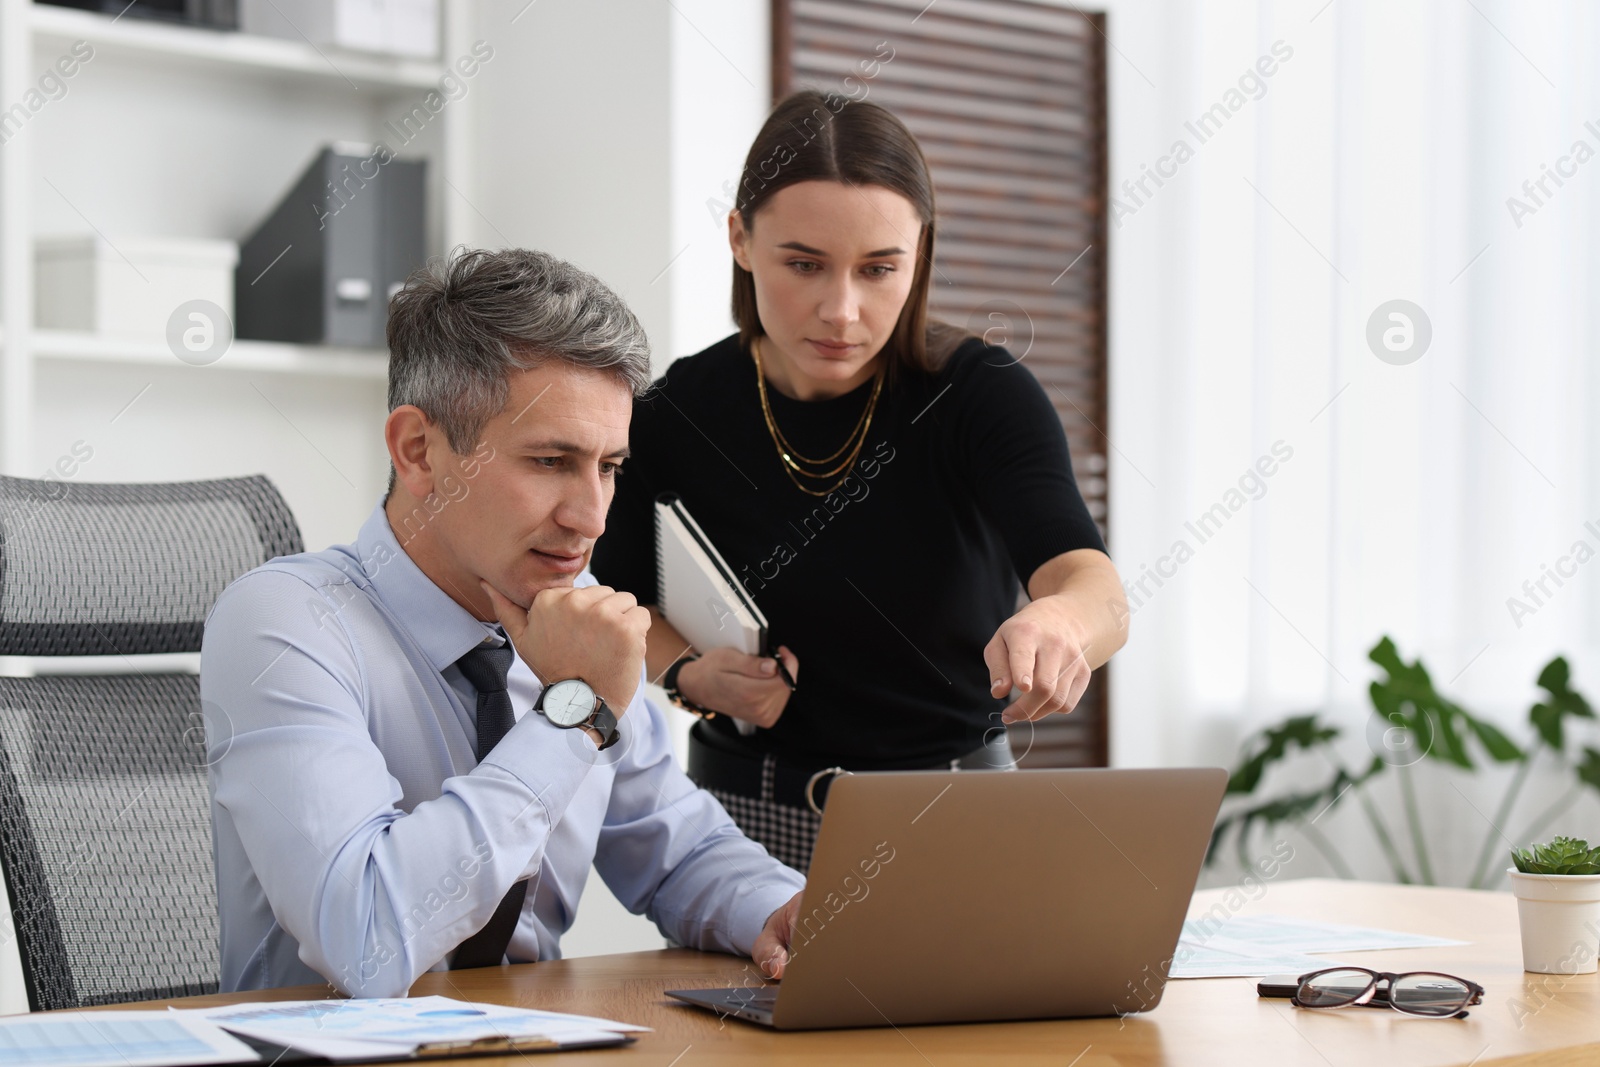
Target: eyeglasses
(1426, 993)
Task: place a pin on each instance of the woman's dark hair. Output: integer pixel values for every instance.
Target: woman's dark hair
(812, 136)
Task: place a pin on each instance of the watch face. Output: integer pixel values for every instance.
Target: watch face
(568, 703)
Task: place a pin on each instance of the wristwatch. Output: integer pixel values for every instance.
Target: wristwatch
(669, 682)
(571, 704)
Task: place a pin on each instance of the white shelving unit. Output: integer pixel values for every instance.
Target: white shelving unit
(222, 53)
(174, 131)
(315, 361)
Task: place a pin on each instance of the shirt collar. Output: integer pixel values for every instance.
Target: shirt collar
(443, 629)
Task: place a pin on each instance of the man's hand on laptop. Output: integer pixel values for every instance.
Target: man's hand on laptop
(594, 633)
(771, 951)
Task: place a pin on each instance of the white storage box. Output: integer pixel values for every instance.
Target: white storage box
(130, 290)
(395, 27)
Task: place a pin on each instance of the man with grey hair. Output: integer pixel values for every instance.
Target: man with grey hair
(420, 742)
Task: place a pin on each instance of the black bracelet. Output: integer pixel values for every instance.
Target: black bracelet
(669, 682)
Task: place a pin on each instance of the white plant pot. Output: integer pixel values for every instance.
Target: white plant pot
(1560, 916)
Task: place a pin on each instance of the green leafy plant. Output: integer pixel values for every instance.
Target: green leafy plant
(1407, 705)
(1563, 855)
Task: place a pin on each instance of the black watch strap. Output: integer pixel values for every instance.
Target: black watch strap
(604, 720)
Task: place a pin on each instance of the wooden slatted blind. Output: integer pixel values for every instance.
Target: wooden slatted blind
(1008, 99)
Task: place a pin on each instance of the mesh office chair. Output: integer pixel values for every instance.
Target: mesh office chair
(105, 825)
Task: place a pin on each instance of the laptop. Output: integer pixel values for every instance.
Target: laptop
(972, 896)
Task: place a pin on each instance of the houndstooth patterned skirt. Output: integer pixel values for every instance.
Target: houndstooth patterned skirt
(790, 833)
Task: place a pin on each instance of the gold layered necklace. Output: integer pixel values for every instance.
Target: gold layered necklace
(797, 466)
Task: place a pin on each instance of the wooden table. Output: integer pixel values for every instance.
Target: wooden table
(1524, 1019)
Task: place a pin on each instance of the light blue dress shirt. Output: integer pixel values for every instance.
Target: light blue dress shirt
(358, 839)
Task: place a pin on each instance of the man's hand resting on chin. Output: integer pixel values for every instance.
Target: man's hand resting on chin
(594, 633)
(771, 952)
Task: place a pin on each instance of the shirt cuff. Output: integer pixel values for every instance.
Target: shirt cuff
(754, 907)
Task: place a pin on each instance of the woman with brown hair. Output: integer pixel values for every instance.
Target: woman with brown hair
(879, 482)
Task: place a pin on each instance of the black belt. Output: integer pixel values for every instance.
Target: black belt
(713, 766)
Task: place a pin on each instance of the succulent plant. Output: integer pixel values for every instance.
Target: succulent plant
(1563, 855)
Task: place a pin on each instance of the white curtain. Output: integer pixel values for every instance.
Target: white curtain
(1374, 163)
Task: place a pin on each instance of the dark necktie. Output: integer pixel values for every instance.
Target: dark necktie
(486, 668)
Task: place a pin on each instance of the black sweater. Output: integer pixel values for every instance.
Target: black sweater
(888, 589)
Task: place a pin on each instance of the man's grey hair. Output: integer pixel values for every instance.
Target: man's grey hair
(463, 323)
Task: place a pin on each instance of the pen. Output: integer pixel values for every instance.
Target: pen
(783, 672)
